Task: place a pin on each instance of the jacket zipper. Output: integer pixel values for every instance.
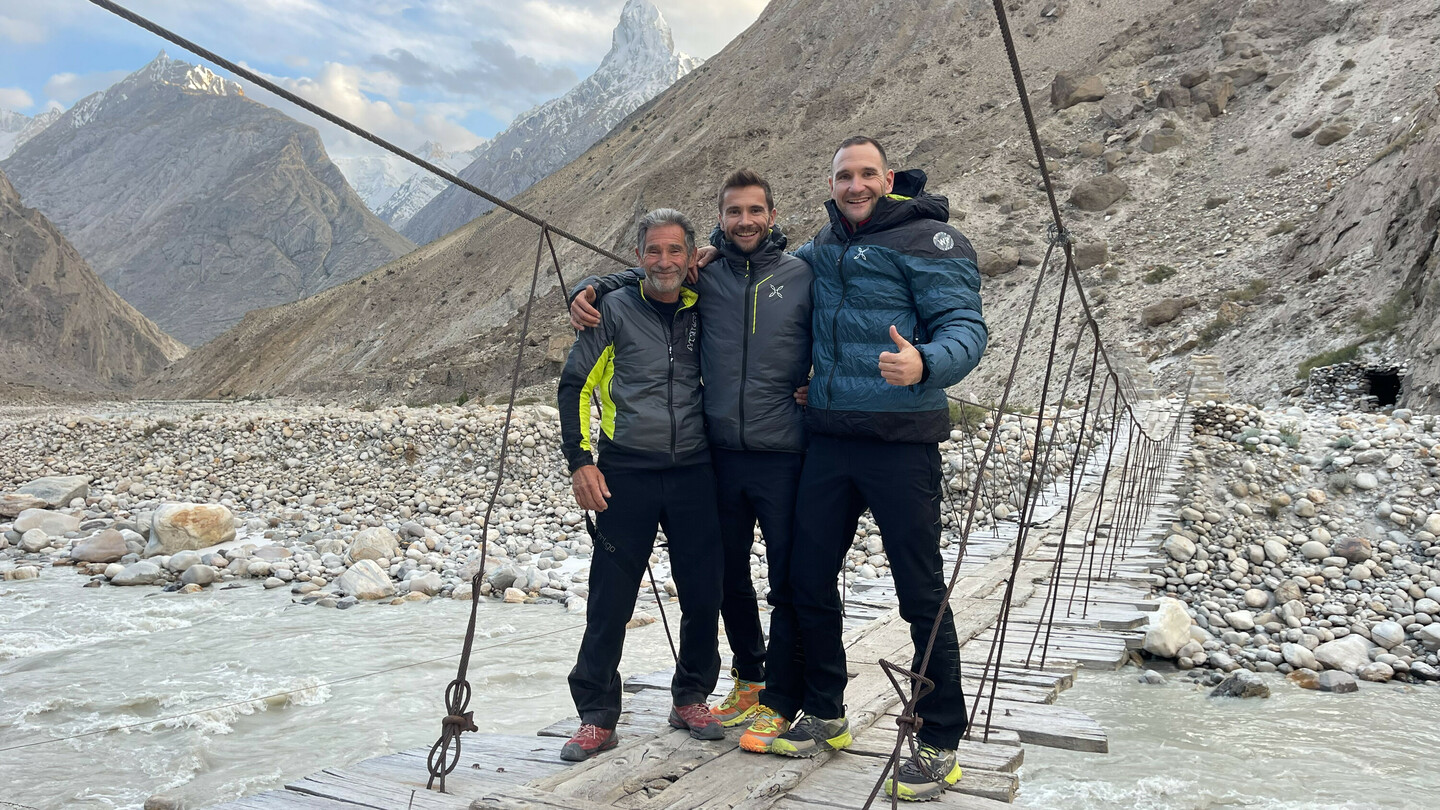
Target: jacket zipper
(746, 325)
(835, 326)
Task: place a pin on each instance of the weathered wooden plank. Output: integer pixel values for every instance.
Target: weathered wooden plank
(643, 770)
(848, 780)
(280, 800)
(977, 755)
(1052, 726)
(507, 797)
(347, 786)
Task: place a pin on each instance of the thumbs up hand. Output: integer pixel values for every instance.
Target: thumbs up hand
(903, 366)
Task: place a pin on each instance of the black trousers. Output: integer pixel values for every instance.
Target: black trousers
(760, 486)
(900, 483)
(681, 500)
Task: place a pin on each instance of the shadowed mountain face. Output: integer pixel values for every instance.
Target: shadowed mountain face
(60, 326)
(197, 204)
(642, 62)
(1216, 184)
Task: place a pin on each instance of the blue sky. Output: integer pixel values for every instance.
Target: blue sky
(482, 61)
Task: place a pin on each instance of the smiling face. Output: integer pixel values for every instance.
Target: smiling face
(665, 258)
(745, 217)
(858, 179)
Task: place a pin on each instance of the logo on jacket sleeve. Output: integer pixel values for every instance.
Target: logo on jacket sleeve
(943, 240)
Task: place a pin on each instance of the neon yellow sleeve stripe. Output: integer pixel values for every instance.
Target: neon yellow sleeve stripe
(598, 382)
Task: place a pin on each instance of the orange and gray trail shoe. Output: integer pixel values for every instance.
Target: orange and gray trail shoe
(925, 775)
(737, 706)
(697, 718)
(811, 735)
(589, 741)
(765, 726)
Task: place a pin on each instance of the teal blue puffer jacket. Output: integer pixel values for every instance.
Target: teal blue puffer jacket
(907, 267)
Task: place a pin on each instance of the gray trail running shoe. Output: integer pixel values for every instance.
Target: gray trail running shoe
(925, 775)
(811, 735)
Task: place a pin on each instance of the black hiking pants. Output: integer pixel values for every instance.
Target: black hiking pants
(756, 485)
(900, 483)
(681, 500)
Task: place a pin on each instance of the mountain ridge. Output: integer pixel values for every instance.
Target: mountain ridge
(196, 203)
(642, 62)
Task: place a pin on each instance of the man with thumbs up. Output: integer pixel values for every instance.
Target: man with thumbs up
(897, 320)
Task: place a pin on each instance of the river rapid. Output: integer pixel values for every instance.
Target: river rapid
(76, 660)
(1173, 748)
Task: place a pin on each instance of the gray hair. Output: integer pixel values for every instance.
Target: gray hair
(664, 216)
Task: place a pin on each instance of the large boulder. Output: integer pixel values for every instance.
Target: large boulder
(1346, 654)
(55, 524)
(1069, 89)
(102, 547)
(55, 490)
(1160, 141)
(1091, 254)
(375, 543)
(1211, 97)
(139, 573)
(1354, 549)
(1166, 310)
(1098, 193)
(1333, 132)
(999, 261)
(180, 526)
(1242, 684)
(366, 580)
(1169, 629)
(1179, 547)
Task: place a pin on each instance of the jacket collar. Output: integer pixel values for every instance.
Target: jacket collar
(908, 201)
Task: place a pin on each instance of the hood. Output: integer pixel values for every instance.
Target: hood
(906, 201)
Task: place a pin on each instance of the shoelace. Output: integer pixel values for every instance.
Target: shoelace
(591, 734)
(927, 763)
(766, 721)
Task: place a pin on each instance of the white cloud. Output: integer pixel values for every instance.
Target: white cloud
(13, 98)
(21, 32)
(703, 28)
(68, 88)
(345, 90)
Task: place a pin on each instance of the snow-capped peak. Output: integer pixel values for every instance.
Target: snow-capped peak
(642, 42)
(195, 78)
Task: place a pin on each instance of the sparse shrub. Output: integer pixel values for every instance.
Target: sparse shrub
(1283, 226)
(1157, 273)
(1343, 443)
(1214, 330)
(968, 416)
(1110, 273)
(462, 399)
(1392, 313)
(1344, 354)
(1252, 290)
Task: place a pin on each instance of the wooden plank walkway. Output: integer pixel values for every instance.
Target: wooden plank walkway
(658, 768)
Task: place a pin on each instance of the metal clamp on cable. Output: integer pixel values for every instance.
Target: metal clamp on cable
(1058, 236)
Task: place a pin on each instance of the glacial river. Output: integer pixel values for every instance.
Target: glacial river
(78, 660)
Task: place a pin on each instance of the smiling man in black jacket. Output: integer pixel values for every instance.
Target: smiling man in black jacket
(654, 471)
(755, 354)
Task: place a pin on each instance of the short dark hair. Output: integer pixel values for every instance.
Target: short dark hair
(664, 216)
(860, 140)
(744, 178)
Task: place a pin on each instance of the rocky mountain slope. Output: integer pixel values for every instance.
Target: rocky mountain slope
(422, 186)
(642, 62)
(60, 326)
(17, 128)
(197, 204)
(1205, 199)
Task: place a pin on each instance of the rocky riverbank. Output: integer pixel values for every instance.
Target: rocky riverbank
(341, 505)
(1307, 544)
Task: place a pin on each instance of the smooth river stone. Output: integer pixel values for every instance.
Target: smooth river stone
(181, 526)
(106, 546)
